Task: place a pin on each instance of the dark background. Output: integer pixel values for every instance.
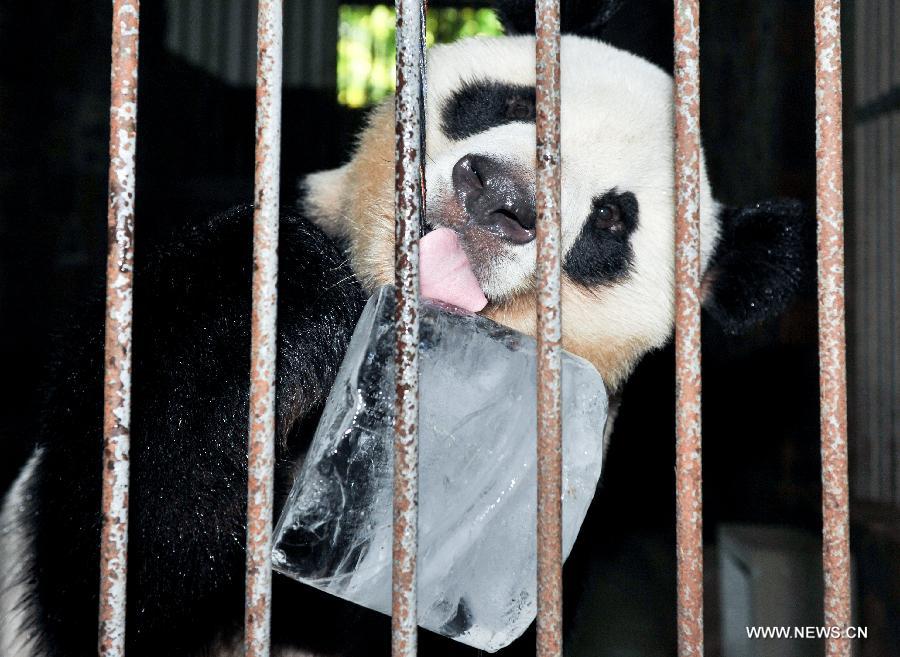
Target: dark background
(195, 157)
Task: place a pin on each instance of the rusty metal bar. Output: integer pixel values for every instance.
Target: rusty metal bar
(549, 405)
(688, 471)
(117, 344)
(832, 349)
(261, 441)
(409, 199)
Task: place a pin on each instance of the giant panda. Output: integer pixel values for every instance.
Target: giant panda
(192, 335)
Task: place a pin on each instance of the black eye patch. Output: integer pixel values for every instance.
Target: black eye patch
(602, 253)
(484, 104)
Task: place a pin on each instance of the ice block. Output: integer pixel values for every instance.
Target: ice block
(477, 474)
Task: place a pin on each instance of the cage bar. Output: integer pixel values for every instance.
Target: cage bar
(832, 350)
(688, 472)
(261, 439)
(409, 200)
(118, 324)
(549, 406)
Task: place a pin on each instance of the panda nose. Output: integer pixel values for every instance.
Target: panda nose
(495, 197)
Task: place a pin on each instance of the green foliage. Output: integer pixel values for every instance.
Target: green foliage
(367, 45)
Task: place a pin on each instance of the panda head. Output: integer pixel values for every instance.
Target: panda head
(617, 197)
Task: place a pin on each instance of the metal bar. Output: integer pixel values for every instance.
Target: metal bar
(688, 471)
(261, 442)
(549, 406)
(409, 199)
(832, 350)
(117, 344)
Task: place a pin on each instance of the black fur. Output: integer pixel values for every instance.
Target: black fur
(188, 460)
(484, 104)
(760, 262)
(602, 254)
(186, 550)
(582, 17)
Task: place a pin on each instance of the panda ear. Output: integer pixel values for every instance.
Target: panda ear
(581, 17)
(763, 255)
(320, 197)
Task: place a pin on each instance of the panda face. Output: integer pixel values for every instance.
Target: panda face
(617, 202)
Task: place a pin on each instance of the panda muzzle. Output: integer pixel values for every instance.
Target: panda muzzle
(495, 197)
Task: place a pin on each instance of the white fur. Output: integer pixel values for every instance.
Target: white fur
(323, 200)
(617, 132)
(15, 640)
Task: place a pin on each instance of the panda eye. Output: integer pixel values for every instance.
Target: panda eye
(608, 217)
(519, 109)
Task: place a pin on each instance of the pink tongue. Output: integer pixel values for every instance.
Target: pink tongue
(445, 274)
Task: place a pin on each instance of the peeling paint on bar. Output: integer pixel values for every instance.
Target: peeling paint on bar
(832, 353)
(409, 199)
(549, 408)
(689, 491)
(117, 354)
(261, 443)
